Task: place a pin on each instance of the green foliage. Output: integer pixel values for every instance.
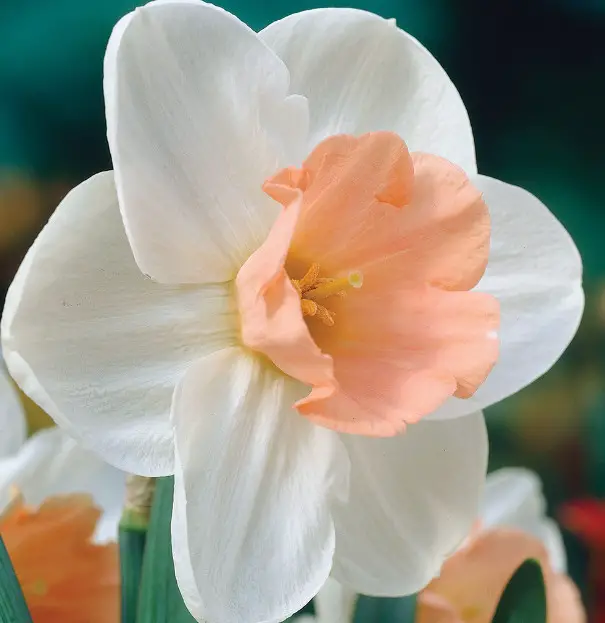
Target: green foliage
(385, 609)
(160, 600)
(524, 599)
(132, 547)
(13, 608)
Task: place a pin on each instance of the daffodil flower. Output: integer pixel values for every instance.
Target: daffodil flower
(51, 463)
(59, 512)
(293, 260)
(63, 574)
(512, 527)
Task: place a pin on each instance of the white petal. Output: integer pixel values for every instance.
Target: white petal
(535, 271)
(96, 344)
(549, 533)
(513, 498)
(335, 603)
(183, 567)
(198, 116)
(361, 73)
(52, 463)
(257, 482)
(413, 500)
(12, 417)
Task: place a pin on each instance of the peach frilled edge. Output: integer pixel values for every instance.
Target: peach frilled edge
(63, 574)
(473, 579)
(413, 335)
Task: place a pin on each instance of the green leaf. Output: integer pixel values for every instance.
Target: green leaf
(132, 546)
(524, 598)
(385, 609)
(132, 536)
(13, 608)
(160, 600)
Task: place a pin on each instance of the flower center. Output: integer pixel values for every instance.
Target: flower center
(313, 288)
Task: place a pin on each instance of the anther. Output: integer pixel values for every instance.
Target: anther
(309, 308)
(309, 280)
(313, 288)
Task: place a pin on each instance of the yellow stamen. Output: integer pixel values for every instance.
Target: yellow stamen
(310, 278)
(312, 288)
(325, 315)
(335, 287)
(309, 308)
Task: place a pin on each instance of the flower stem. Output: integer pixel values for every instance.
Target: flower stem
(160, 600)
(132, 536)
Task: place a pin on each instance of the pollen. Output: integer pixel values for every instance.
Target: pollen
(313, 288)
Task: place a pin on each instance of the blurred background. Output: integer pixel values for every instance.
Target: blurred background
(532, 75)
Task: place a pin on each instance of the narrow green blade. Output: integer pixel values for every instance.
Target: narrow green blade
(524, 598)
(385, 609)
(132, 547)
(160, 600)
(13, 608)
(132, 535)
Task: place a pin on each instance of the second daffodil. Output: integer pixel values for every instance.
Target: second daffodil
(293, 262)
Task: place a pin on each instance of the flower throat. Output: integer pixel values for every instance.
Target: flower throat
(313, 288)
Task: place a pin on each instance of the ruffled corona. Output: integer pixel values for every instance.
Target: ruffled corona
(63, 574)
(415, 233)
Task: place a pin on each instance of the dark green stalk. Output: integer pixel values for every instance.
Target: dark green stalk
(160, 600)
(13, 608)
(385, 609)
(524, 598)
(132, 536)
(132, 546)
